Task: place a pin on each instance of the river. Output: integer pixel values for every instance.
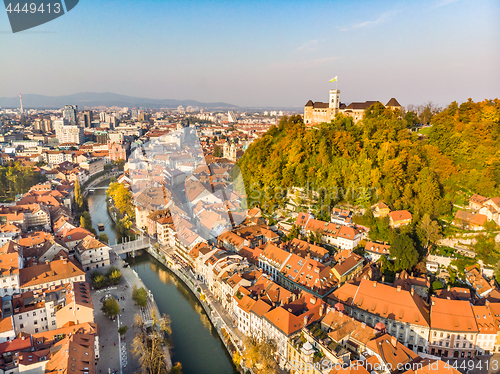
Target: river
(196, 344)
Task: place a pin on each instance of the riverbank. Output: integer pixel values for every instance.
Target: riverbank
(115, 351)
(230, 336)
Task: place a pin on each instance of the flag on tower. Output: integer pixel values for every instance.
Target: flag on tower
(333, 79)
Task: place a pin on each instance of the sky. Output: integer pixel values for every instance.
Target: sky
(261, 53)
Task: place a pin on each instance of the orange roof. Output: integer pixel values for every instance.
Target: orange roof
(9, 264)
(6, 324)
(386, 301)
(391, 351)
(484, 319)
(452, 315)
(292, 317)
(400, 215)
(34, 238)
(274, 254)
(51, 272)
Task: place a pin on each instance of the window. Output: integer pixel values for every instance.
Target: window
(36, 330)
(20, 317)
(53, 323)
(34, 313)
(21, 325)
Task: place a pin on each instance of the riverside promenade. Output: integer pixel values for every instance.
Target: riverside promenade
(115, 352)
(231, 337)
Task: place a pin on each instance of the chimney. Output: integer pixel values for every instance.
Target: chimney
(46, 262)
(305, 321)
(432, 303)
(374, 284)
(448, 288)
(363, 325)
(412, 291)
(394, 341)
(383, 278)
(399, 288)
(290, 310)
(397, 276)
(322, 310)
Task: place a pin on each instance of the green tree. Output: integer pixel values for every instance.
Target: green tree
(110, 307)
(217, 151)
(103, 237)
(86, 222)
(403, 252)
(122, 330)
(140, 296)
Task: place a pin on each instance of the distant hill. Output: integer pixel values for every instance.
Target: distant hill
(92, 99)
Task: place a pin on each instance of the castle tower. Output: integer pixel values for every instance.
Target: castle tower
(334, 102)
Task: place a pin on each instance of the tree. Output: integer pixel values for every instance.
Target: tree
(150, 346)
(79, 199)
(217, 151)
(103, 237)
(404, 253)
(260, 356)
(110, 307)
(98, 280)
(122, 330)
(120, 164)
(428, 231)
(293, 233)
(140, 296)
(114, 275)
(86, 222)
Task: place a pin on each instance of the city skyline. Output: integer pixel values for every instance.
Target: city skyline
(271, 54)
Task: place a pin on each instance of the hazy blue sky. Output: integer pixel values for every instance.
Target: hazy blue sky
(261, 53)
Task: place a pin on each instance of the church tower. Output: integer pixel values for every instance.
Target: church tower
(334, 102)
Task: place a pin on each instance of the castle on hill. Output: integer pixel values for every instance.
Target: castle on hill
(318, 112)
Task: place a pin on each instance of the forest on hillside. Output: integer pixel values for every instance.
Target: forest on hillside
(380, 159)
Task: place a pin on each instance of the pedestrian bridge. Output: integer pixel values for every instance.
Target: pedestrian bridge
(132, 246)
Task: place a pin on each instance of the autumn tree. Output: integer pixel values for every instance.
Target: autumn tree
(428, 231)
(150, 345)
(122, 198)
(79, 198)
(260, 355)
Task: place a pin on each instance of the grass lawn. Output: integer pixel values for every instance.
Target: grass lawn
(425, 131)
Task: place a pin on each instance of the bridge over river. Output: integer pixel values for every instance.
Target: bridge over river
(132, 246)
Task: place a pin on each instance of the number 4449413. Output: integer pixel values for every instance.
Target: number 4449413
(34, 8)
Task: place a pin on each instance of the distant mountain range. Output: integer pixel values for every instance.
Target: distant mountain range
(93, 99)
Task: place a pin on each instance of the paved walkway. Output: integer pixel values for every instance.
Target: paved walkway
(110, 356)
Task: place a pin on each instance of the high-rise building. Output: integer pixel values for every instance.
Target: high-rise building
(70, 134)
(231, 117)
(69, 113)
(87, 119)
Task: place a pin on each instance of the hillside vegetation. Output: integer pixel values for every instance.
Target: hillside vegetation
(380, 159)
